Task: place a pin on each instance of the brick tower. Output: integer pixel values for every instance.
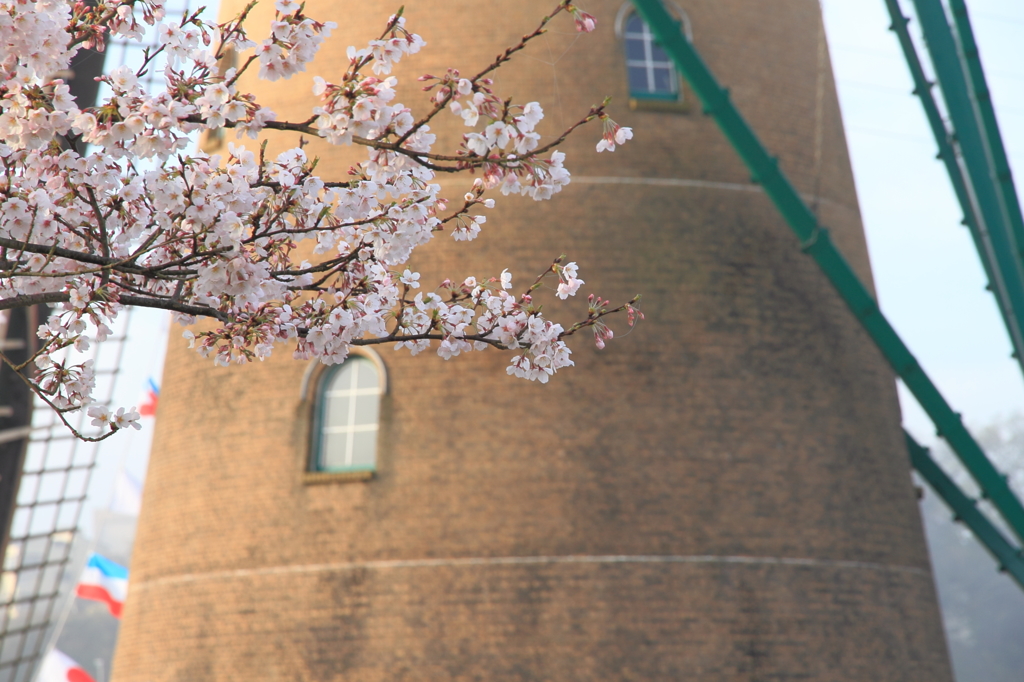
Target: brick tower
(723, 495)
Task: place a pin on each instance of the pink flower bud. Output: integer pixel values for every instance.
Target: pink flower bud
(585, 23)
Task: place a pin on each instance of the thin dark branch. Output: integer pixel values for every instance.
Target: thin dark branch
(498, 61)
(63, 253)
(197, 310)
(29, 300)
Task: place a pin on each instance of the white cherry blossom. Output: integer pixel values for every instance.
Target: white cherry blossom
(222, 236)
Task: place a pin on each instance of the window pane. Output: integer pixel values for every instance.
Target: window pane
(367, 376)
(11, 648)
(51, 486)
(635, 49)
(342, 379)
(26, 587)
(336, 411)
(663, 80)
(63, 454)
(77, 481)
(364, 449)
(634, 24)
(638, 79)
(51, 576)
(19, 527)
(17, 618)
(333, 448)
(367, 409)
(42, 612)
(658, 54)
(24, 671)
(33, 642)
(35, 551)
(59, 551)
(27, 491)
(44, 519)
(67, 517)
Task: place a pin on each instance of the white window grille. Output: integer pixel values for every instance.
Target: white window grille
(652, 75)
(348, 418)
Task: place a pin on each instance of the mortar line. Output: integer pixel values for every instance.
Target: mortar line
(697, 184)
(525, 561)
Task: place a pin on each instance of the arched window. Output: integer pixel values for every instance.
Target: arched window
(347, 417)
(652, 75)
(650, 71)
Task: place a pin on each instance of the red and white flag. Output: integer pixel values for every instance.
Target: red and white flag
(59, 667)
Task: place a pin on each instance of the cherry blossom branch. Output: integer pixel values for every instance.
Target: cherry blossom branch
(29, 300)
(137, 221)
(446, 93)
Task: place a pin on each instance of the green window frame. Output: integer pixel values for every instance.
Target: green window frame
(346, 421)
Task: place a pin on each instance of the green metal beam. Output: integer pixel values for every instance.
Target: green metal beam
(993, 207)
(983, 102)
(923, 89)
(965, 509)
(943, 138)
(815, 241)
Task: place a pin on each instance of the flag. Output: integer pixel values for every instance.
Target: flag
(127, 495)
(59, 667)
(150, 400)
(105, 581)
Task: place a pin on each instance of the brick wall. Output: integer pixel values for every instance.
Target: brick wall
(723, 494)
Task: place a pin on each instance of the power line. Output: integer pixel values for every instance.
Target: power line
(891, 134)
(895, 56)
(905, 91)
(997, 17)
